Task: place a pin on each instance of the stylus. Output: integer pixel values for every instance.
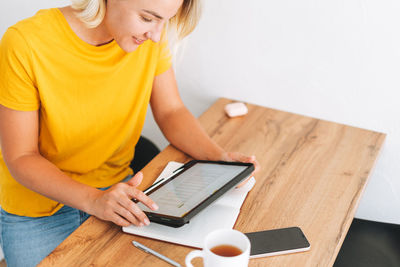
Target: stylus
(154, 185)
(163, 179)
(184, 166)
(154, 253)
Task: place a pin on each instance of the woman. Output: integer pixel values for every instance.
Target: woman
(75, 83)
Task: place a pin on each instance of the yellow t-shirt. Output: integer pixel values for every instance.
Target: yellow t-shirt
(92, 102)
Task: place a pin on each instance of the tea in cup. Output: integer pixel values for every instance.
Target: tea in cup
(225, 247)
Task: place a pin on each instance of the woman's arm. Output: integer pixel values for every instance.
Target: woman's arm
(181, 128)
(178, 125)
(19, 132)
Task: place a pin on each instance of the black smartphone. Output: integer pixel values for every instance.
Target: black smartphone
(277, 242)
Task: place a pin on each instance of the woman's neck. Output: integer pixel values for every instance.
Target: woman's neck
(94, 36)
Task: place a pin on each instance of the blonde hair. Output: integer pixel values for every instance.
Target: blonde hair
(186, 18)
(91, 12)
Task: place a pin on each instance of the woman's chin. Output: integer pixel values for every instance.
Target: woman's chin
(127, 46)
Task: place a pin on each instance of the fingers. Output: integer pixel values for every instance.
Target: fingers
(142, 197)
(244, 182)
(243, 158)
(236, 156)
(132, 214)
(130, 210)
(136, 180)
(118, 220)
(116, 205)
(256, 165)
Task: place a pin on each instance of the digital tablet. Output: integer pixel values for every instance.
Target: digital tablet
(194, 186)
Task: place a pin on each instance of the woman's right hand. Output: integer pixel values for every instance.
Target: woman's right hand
(115, 204)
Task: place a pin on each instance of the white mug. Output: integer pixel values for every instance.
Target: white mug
(222, 237)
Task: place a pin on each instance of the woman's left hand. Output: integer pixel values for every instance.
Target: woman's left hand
(239, 157)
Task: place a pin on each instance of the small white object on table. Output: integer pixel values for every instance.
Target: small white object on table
(236, 109)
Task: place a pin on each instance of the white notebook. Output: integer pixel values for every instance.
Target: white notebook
(221, 214)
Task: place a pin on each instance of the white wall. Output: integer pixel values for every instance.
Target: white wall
(335, 60)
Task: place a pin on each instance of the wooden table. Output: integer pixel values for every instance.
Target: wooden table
(313, 175)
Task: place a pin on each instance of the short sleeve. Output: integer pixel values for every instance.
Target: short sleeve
(17, 86)
(164, 58)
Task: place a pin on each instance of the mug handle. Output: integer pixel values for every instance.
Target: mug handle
(193, 254)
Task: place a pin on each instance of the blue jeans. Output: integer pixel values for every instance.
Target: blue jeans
(26, 241)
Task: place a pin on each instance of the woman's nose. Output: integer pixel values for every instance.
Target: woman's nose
(155, 33)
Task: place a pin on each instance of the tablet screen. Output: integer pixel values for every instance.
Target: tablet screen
(184, 192)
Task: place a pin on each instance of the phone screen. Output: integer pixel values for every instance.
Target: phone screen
(277, 242)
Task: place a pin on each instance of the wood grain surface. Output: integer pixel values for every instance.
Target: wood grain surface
(313, 175)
